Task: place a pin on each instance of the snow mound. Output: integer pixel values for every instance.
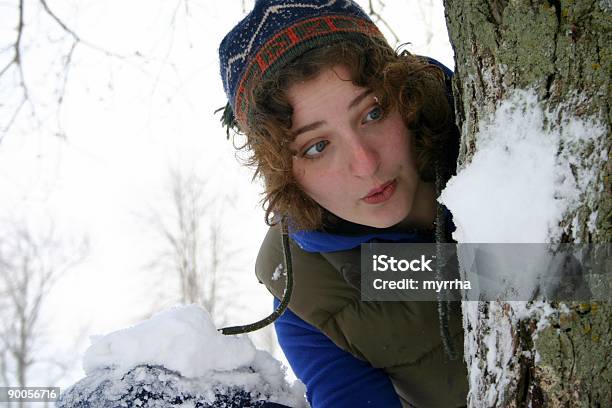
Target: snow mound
(182, 339)
(178, 358)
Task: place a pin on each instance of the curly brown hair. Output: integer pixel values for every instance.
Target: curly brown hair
(399, 80)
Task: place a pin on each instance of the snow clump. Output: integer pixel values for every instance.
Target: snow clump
(519, 183)
(182, 339)
(178, 358)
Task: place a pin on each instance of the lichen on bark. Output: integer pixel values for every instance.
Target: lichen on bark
(574, 358)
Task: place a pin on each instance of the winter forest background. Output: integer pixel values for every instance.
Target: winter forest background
(120, 194)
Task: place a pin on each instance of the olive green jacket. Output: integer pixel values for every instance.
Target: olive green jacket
(402, 338)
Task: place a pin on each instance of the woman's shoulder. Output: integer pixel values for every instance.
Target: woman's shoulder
(269, 259)
(319, 289)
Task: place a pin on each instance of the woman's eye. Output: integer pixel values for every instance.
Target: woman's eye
(375, 114)
(316, 149)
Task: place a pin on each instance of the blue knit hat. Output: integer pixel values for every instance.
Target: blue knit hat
(276, 32)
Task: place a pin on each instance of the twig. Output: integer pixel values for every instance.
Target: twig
(59, 21)
(66, 72)
(16, 60)
(380, 19)
(12, 120)
(75, 36)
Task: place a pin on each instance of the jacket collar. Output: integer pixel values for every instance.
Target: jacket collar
(345, 235)
(319, 241)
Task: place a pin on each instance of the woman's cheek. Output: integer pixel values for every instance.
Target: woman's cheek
(299, 172)
(307, 180)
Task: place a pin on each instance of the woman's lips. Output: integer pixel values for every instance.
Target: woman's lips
(381, 194)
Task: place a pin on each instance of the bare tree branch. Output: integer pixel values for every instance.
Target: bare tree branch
(192, 244)
(17, 61)
(379, 19)
(30, 264)
(59, 21)
(67, 62)
(425, 8)
(16, 46)
(75, 36)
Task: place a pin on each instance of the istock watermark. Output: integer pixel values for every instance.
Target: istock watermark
(383, 263)
(386, 263)
(428, 272)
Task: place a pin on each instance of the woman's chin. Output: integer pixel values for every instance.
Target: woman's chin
(385, 220)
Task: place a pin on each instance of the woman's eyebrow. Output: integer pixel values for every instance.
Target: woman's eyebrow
(309, 127)
(359, 98)
(314, 125)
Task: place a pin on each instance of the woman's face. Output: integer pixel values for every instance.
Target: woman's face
(352, 158)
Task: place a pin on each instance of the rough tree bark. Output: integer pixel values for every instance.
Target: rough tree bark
(561, 50)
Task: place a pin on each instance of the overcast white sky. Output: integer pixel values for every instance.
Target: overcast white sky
(126, 122)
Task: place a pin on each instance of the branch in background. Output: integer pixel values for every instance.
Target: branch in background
(59, 21)
(192, 245)
(75, 36)
(65, 362)
(425, 8)
(30, 264)
(379, 19)
(16, 46)
(67, 62)
(17, 61)
(4, 368)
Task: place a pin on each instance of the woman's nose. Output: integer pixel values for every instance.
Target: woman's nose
(364, 159)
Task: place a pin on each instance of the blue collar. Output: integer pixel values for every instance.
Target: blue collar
(347, 236)
(318, 241)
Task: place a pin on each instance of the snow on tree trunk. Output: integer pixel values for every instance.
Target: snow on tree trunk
(544, 63)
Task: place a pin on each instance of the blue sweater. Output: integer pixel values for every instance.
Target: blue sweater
(333, 377)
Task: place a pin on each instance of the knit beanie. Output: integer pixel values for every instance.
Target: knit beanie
(275, 33)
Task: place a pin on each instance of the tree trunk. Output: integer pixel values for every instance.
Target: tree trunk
(560, 50)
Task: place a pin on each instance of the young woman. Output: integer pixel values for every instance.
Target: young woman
(354, 143)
